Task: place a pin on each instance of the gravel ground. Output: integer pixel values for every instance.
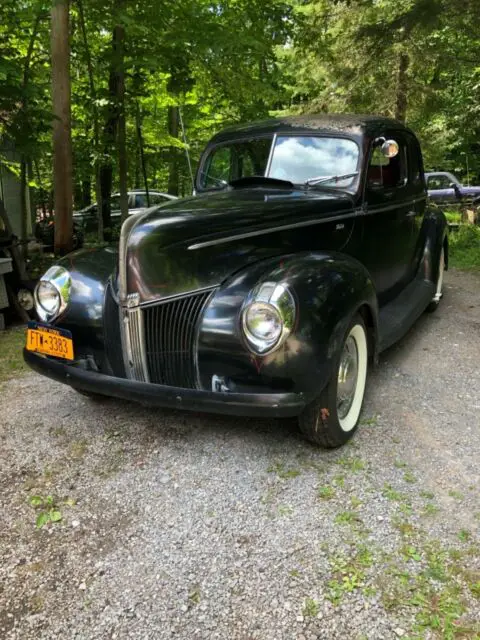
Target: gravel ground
(194, 526)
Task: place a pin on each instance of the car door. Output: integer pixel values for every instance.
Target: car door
(439, 189)
(388, 210)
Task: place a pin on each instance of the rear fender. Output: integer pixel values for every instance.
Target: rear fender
(436, 237)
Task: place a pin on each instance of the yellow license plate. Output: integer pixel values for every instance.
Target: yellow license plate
(49, 341)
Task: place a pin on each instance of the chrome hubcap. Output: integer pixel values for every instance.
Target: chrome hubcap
(347, 377)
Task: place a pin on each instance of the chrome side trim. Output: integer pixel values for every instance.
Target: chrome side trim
(283, 227)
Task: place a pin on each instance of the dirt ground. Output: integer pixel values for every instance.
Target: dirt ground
(161, 524)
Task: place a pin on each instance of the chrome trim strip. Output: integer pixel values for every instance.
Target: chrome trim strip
(176, 296)
(134, 333)
(122, 257)
(283, 227)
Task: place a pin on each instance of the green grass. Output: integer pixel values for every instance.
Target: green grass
(464, 248)
(12, 342)
(453, 216)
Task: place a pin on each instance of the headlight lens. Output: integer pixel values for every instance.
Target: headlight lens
(263, 321)
(52, 293)
(268, 317)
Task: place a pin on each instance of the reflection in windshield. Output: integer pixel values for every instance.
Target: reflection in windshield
(295, 159)
(302, 158)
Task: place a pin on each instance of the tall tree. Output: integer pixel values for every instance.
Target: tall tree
(62, 143)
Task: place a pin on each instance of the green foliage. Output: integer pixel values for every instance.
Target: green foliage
(464, 247)
(11, 354)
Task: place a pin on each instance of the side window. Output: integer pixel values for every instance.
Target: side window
(141, 200)
(387, 173)
(115, 203)
(156, 198)
(415, 163)
(439, 182)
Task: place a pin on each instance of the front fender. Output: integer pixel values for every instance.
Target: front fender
(328, 287)
(90, 270)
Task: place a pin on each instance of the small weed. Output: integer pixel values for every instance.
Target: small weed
(284, 474)
(339, 480)
(348, 576)
(355, 502)
(369, 591)
(409, 477)
(427, 494)
(294, 573)
(406, 528)
(351, 463)
(285, 510)
(326, 493)
(464, 535)
(369, 422)
(347, 517)
(430, 509)
(48, 510)
(391, 494)
(399, 464)
(455, 494)
(475, 589)
(310, 608)
(410, 553)
(194, 596)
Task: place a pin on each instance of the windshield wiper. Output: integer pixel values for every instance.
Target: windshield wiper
(252, 181)
(323, 179)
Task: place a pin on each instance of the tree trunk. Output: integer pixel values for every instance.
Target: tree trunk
(173, 127)
(142, 155)
(122, 133)
(96, 126)
(23, 206)
(402, 88)
(62, 143)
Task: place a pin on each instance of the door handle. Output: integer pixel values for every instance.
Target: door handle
(411, 214)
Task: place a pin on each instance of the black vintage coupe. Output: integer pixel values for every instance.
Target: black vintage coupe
(307, 249)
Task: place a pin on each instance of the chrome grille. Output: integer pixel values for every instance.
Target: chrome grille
(136, 353)
(170, 333)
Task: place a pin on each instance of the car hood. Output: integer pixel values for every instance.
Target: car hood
(197, 242)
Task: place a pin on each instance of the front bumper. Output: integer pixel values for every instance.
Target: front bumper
(273, 405)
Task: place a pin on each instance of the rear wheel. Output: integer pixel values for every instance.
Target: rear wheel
(332, 418)
(433, 305)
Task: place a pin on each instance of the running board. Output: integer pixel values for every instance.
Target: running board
(398, 316)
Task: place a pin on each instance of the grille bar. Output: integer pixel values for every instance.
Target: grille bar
(136, 335)
(170, 333)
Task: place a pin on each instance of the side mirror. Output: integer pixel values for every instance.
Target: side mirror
(390, 148)
(454, 186)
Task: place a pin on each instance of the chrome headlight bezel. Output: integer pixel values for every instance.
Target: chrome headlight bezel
(60, 281)
(278, 300)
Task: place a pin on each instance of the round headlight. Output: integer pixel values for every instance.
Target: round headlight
(268, 317)
(52, 293)
(48, 297)
(263, 322)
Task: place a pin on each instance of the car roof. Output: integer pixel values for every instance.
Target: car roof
(355, 126)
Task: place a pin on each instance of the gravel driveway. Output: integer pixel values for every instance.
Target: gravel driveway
(195, 526)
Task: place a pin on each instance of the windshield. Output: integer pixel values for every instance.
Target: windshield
(296, 159)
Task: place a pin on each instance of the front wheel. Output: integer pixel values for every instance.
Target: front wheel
(332, 418)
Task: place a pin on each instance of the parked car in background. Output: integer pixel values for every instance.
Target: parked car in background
(137, 202)
(308, 249)
(445, 187)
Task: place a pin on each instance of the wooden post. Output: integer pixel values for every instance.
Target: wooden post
(62, 142)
